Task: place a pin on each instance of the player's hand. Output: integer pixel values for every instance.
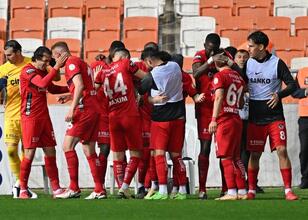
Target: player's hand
(199, 98)
(96, 70)
(61, 60)
(212, 127)
(219, 57)
(273, 101)
(64, 99)
(162, 98)
(69, 116)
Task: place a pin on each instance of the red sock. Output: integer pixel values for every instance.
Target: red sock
(229, 173)
(153, 172)
(52, 172)
(95, 168)
(72, 166)
(203, 165)
(224, 187)
(252, 178)
(25, 168)
(118, 171)
(240, 174)
(161, 169)
(180, 169)
(286, 177)
(175, 177)
(131, 169)
(103, 161)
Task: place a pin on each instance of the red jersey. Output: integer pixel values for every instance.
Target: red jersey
(119, 88)
(233, 85)
(204, 85)
(74, 65)
(102, 99)
(146, 107)
(33, 98)
(188, 86)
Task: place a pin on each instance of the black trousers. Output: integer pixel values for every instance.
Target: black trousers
(303, 155)
(245, 154)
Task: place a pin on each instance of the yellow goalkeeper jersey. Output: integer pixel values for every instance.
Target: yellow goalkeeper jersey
(13, 101)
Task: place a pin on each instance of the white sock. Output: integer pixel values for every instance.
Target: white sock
(17, 183)
(232, 192)
(124, 186)
(154, 185)
(252, 191)
(242, 191)
(163, 189)
(287, 190)
(175, 189)
(182, 189)
(140, 185)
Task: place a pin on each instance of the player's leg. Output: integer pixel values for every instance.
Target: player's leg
(25, 169)
(104, 150)
(118, 166)
(142, 171)
(278, 141)
(203, 159)
(303, 155)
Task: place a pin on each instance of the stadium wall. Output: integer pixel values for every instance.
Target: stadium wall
(269, 168)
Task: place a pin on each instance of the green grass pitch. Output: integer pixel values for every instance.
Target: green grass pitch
(270, 205)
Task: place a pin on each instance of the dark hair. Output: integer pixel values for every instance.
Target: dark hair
(213, 38)
(259, 37)
(116, 44)
(178, 58)
(221, 63)
(231, 50)
(60, 44)
(151, 44)
(152, 53)
(14, 44)
(40, 52)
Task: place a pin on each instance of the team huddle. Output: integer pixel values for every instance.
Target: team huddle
(140, 107)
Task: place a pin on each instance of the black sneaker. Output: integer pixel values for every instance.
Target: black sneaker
(303, 185)
(259, 189)
(141, 193)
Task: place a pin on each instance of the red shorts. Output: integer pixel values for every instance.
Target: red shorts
(257, 135)
(146, 132)
(203, 127)
(84, 126)
(125, 133)
(37, 133)
(103, 136)
(168, 136)
(228, 138)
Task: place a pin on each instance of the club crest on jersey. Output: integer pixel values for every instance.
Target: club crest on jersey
(281, 126)
(71, 67)
(215, 80)
(29, 71)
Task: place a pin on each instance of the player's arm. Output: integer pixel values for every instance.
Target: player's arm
(199, 68)
(96, 73)
(159, 99)
(219, 96)
(146, 84)
(285, 75)
(299, 92)
(55, 89)
(79, 87)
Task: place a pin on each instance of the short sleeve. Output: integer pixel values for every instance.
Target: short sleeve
(132, 67)
(72, 67)
(198, 58)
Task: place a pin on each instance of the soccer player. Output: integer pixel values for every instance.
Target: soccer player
(168, 118)
(203, 70)
(83, 117)
(226, 124)
(265, 73)
(124, 119)
(36, 125)
(12, 129)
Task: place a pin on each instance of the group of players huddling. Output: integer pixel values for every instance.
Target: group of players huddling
(140, 107)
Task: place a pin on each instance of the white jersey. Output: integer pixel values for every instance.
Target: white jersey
(168, 80)
(263, 78)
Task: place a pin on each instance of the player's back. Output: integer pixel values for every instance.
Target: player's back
(233, 85)
(75, 65)
(119, 88)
